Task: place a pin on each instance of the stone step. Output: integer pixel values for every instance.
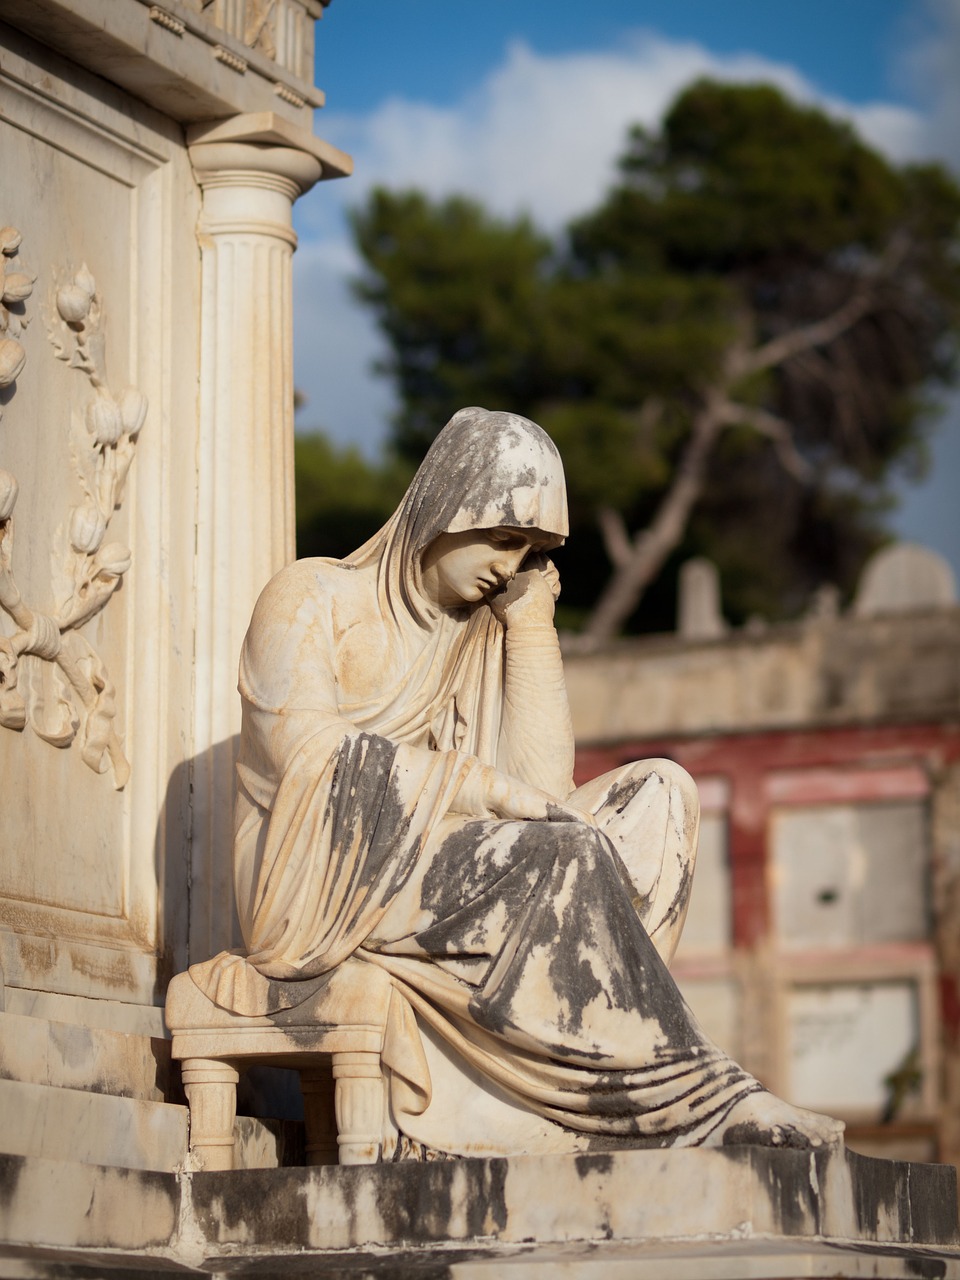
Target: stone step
(109, 1015)
(91, 1128)
(46, 1122)
(66, 1055)
(95, 1059)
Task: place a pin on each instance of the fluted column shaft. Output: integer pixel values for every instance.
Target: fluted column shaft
(245, 499)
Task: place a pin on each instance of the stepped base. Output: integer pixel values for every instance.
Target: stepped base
(736, 1214)
(95, 1095)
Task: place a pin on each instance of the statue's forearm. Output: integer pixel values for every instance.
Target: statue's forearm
(537, 741)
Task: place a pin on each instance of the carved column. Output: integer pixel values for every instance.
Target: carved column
(245, 505)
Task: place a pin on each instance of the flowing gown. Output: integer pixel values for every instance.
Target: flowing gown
(532, 1010)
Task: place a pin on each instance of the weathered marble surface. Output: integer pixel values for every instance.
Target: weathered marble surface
(670, 1215)
(406, 802)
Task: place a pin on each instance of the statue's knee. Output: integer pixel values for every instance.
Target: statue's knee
(577, 842)
(676, 776)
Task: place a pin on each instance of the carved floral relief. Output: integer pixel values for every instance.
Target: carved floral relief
(51, 677)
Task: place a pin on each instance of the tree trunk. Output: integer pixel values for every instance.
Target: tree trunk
(651, 547)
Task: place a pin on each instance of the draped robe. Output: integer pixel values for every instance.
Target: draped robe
(532, 1009)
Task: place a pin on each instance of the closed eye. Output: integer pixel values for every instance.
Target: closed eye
(508, 540)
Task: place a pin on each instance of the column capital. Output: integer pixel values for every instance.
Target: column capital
(285, 170)
(267, 130)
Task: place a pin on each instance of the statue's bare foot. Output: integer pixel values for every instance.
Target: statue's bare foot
(764, 1120)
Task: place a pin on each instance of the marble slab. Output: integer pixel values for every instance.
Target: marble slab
(742, 1213)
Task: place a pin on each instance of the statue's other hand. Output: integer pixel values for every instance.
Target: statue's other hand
(486, 792)
(532, 594)
(508, 797)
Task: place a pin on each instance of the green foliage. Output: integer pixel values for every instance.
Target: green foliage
(740, 177)
(341, 497)
(743, 219)
(459, 298)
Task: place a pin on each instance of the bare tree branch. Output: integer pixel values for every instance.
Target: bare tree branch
(797, 341)
(616, 539)
(774, 428)
(860, 303)
(651, 546)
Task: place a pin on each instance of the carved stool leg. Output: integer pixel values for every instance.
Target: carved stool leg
(316, 1085)
(359, 1106)
(211, 1089)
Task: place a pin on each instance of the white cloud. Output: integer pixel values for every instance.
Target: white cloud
(539, 135)
(929, 67)
(335, 345)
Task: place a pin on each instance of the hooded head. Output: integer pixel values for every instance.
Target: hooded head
(484, 470)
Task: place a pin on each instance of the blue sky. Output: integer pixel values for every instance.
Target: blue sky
(524, 103)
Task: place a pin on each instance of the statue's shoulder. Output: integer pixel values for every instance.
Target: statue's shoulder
(310, 582)
(303, 595)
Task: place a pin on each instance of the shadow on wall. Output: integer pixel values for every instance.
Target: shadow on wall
(194, 848)
(194, 862)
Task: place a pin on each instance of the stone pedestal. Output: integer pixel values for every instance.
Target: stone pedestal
(744, 1213)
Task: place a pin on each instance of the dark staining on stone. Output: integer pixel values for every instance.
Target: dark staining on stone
(932, 1198)
(920, 1198)
(934, 1268)
(485, 901)
(418, 1202)
(366, 806)
(622, 792)
(269, 1201)
(914, 1259)
(11, 1167)
(789, 1187)
(593, 1164)
(879, 1187)
(468, 472)
(556, 814)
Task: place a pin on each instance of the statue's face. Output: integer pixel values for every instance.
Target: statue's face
(463, 568)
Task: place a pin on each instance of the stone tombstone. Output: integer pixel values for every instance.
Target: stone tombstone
(905, 578)
(151, 156)
(699, 614)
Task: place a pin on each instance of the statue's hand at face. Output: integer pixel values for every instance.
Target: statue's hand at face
(503, 565)
(531, 596)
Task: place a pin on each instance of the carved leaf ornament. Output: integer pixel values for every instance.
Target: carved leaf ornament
(50, 675)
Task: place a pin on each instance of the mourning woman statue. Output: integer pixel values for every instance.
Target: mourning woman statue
(406, 798)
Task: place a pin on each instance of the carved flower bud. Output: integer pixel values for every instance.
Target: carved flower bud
(87, 527)
(103, 419)
(73, 303)
(113, 560)
(9, 240)
(12, 356)
(133, 410)
(8, 494)
(17, 286)
(85, 281)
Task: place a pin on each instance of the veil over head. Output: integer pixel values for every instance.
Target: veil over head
(484, 470)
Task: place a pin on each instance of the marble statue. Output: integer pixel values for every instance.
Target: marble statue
(405, 797)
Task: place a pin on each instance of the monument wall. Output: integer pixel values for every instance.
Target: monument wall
(99, 433)
(151, 155)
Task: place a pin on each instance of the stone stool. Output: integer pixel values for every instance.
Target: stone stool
(341, 1026)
